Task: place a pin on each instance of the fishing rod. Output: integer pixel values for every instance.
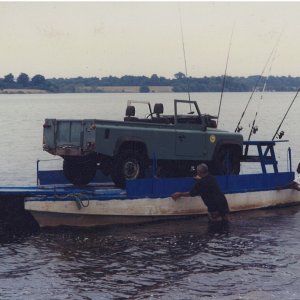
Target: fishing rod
(280, 135)
(185, 64)
(254, 128)
(224, 77)
(238, 127)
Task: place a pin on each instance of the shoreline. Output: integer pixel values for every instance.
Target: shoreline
(23, 91)
(98, 89)
(111, 89)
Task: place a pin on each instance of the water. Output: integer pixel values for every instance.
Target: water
(22, 117)
(256, 256)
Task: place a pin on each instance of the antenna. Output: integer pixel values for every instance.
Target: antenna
(224, 77)
(185, 64)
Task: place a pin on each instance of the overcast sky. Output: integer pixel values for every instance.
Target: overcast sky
(99, 39)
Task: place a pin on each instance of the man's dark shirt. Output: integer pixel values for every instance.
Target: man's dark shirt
(211, 194)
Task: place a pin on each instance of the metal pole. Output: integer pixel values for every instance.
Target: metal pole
(290, 158)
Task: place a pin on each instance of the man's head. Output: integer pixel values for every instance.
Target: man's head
(202, 170)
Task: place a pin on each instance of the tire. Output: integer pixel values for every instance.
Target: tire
(80, 170)
(227, 161)
(128, 165)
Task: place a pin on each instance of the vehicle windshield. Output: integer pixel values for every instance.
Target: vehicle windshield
(142, 108)
(187, 108)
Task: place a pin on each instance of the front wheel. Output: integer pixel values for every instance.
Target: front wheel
(128, 165)
(227, 161)
(80, 170)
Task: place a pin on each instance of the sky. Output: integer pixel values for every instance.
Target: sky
(71, 39)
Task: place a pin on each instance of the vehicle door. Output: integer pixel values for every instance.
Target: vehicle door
(190, 142)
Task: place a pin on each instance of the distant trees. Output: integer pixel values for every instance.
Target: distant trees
(9, 78)
(180, 83)
(179, 75)
(38, 80)
(23, 80)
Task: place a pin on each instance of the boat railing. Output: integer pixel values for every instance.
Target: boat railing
(48, 176)
(56, 176)
(265, 154)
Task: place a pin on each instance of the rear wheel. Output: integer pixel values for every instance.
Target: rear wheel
(227, 161)
(80, 170)
(128, 165)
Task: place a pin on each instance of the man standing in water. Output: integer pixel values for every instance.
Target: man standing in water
(206, 186)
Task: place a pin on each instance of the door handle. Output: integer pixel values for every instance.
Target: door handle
(181, 137)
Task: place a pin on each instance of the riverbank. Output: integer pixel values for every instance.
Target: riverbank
(22, 91)
(98, 89)
(122, 89)
(131, 89)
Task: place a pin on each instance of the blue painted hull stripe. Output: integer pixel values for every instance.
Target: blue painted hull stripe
(150, 188)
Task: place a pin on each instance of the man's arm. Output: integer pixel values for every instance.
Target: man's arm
(177, 195)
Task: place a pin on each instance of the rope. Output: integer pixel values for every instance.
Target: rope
(79, 198)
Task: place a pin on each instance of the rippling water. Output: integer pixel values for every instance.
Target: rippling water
(256, 256)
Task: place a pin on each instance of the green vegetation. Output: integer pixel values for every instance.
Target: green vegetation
(179, 83)
(23, 82)
(144, 89)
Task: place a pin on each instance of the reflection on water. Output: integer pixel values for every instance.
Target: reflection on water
(256, 255)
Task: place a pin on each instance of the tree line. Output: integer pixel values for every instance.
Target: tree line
(179, 83)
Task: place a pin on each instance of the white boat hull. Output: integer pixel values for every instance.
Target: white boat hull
(106, 212)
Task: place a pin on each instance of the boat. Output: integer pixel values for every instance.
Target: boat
(57, 203)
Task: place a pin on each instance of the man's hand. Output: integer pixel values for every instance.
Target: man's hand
(176, 195)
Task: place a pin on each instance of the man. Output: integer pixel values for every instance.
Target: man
(207, 187)
(295, 184)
